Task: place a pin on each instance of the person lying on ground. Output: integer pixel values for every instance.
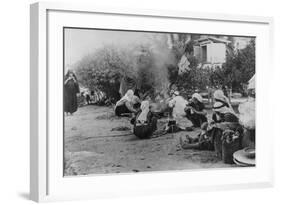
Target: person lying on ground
(126, 104)
(202, 142)
(145, 122)
(195, 110)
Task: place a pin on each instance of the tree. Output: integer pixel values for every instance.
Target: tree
(239, 67)
(103, 70)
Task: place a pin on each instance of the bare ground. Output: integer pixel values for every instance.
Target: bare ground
(97, 142)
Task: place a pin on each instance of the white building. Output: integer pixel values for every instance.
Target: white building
(211, 51)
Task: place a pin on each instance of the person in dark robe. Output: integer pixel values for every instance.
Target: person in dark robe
(71, 88)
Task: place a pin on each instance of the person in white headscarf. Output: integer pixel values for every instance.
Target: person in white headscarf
(177, 103)
(126, 104)
(195, 110)
(220, 97)
(145, 123)
(222, 113)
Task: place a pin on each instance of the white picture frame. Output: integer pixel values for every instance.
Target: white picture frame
(46, 179)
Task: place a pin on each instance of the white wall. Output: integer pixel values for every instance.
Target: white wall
(14, 104)
(216, 52)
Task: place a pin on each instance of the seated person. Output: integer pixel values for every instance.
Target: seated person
(126, 104)
(145, 123)
(177, 103)
(220, 97)
(195, 110)
(176, 110)
(223, 113)
(224, 120)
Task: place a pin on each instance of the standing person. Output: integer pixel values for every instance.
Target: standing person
(126, 104)
(71, 88)
(195, 110)
(88, 99)
(145, 123)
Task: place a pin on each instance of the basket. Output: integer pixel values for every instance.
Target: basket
(231, 142)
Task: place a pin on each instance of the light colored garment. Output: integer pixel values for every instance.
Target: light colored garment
(178, 103)
(252, 83)
(144, 111)
(128, 97)
(183, 65)
(219, 107)
(198, 97)
(219, 95)
(247, 114)
(135, 99)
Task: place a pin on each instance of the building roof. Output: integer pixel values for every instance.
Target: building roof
(210, 39)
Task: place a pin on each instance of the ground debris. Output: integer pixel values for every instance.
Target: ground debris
(121, 128)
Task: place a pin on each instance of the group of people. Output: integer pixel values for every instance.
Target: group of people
(145, 122)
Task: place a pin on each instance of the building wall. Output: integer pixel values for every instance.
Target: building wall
(216, 53)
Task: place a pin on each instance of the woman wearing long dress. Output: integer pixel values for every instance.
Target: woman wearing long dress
(71, 88)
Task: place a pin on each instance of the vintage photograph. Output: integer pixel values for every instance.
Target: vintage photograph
(145, 101)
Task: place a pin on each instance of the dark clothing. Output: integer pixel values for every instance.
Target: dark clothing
(122, 109)
(226, 117)
(88, 99)
(71, 88)
(196, 119)
(146, 129)
(223, 102)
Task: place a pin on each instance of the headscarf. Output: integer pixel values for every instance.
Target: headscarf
(176, 93)
(198, 97)
(144, 111)
(220, 97)
(127, 97)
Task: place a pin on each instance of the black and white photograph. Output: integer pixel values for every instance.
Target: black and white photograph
(147, 101)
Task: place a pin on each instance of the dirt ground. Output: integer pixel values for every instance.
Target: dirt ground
(92, 145)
